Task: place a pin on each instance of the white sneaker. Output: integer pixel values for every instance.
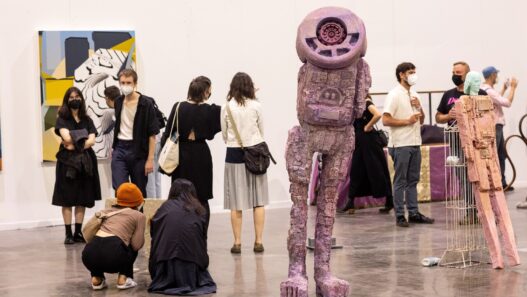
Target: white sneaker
(130, 283)
(100, 286)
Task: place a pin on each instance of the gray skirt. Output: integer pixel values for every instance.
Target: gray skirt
(242, 189)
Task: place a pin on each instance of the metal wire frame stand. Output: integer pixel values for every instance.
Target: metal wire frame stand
(465, 246)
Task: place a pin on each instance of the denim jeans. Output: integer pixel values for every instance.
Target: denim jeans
(407, 166)
(126, 167)
(153, 187)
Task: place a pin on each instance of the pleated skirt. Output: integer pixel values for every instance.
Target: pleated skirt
(242, 189)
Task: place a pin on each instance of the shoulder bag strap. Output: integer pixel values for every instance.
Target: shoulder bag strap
(229, 113)
(176, 119)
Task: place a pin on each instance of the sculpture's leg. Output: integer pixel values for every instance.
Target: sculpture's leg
(488, 222)
(327, 285)
(501, 211)
(298, 165)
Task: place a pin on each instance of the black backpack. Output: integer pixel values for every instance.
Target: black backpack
(160, 116)
(162, 119)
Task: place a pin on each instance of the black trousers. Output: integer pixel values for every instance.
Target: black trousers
(127, 167)
(110, 255)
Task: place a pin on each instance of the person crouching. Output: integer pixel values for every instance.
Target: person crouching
(178, 258)
(114, 247)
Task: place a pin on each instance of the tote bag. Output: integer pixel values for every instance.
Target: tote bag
(169, 155)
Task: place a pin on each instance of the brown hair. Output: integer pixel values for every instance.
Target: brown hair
(402, 68)
(65, 111)
(464, 64)
(127, 73)
(112, 92)
(197, 89)
(242, 88)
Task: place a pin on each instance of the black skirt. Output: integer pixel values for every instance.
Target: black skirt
(178, 277)
(369, 174)
(82, 190)
(195, 164)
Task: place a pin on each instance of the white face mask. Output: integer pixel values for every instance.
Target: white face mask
(412, 79)
(127, 90)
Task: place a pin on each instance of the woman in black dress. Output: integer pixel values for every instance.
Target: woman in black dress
(77, 177)
(178, 258)
(198, 122)
(369, 174)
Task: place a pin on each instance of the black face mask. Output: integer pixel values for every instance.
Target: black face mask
(210, 94)
(74, 104)
(457, 80)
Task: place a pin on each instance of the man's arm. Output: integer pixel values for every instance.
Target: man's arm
(442, 118)
(502, 100)
(149, 165)
(389, 121)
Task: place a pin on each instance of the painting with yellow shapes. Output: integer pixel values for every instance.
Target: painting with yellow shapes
(90, 61)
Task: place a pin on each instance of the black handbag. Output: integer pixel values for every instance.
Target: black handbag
(257, 157)
(381, 136)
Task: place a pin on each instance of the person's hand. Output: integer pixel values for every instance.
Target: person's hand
(413, 119)
(149, 167)
(513, 82)
(452, 114)
(69, 147)
(368, 128)
(415, 103)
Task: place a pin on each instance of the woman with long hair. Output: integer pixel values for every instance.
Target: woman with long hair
(178, 257)
(243, 189)
(77, 183)
(198, 122)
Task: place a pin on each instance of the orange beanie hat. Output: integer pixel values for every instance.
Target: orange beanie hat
(129, 195)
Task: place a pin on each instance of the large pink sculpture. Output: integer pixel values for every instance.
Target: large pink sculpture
(332, 85)
(475, 119)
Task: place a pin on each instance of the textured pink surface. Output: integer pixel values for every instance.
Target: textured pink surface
(331, 38)
(475, 119)
(331, 92)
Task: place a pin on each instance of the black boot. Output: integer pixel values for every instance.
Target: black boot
(78, 237)
(387, 206)
(69, 235)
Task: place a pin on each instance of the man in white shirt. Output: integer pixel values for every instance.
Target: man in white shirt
(499, 100)
(404, 115)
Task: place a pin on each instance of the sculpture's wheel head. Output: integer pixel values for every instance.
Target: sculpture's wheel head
(331, 38)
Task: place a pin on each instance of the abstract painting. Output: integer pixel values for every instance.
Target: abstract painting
(90, 61)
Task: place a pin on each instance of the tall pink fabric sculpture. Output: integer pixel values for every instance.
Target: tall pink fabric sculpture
(475, 119)
(332, 86)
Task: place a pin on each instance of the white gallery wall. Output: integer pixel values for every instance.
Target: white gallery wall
(180, 39)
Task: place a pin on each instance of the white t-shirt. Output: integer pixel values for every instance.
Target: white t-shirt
(398, 105)
(126, 130)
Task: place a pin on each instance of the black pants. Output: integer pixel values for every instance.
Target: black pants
(502, 154)
(110, 255)
(127, 167)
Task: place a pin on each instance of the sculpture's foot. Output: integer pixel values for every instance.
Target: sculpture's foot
(332, 287)
(498, 265)
(294, 287)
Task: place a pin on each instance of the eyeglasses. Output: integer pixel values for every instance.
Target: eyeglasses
(75, 98)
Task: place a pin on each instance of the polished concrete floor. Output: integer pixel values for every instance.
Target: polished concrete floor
(378, 259)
